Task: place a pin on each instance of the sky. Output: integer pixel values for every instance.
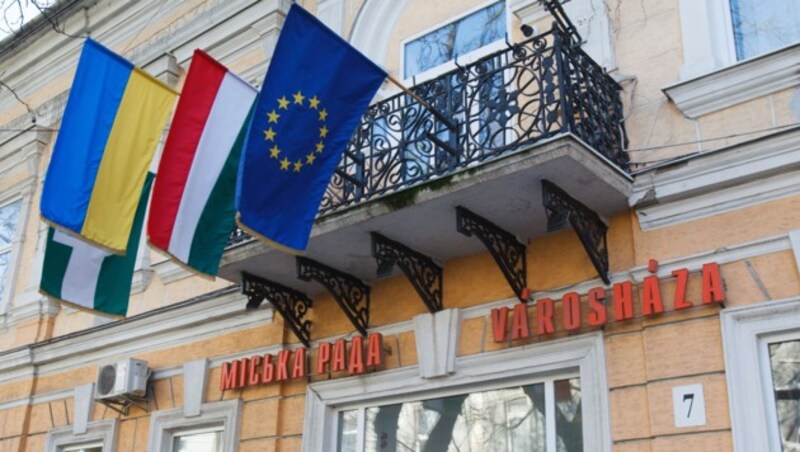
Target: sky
(13, 13)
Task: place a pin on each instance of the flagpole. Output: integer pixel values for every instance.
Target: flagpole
(424, 103)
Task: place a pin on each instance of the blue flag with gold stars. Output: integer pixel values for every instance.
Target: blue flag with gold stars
(316, 90)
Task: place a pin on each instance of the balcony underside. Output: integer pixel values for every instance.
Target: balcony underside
(506, 191)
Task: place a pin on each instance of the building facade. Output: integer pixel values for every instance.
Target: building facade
(588, 240)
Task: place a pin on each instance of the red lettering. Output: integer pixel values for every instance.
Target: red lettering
(597, 315)
(244, 365)
(680, 289)
(623, 300)
(356, 356)
(300, 367)
(499, 323)
(651, 299)
(713, 291)
(253, 371)
(323, 357)
(282, 372)
(230, 375)
(519, 324)
(267, 370)
(375, 350)
(544, 316)
(571, 306)
(338, 363)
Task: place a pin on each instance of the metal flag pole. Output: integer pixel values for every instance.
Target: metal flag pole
(450, 125)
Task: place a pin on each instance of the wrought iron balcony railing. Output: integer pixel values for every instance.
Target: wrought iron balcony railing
(491, 108)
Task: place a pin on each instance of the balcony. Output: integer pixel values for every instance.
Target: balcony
(538, 110)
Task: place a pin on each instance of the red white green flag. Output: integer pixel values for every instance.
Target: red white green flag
(192, 209)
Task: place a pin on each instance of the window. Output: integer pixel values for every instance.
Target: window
(9, 219)
(762, 26)
(216, 429)
(94, 447)
(471, 32)
(762, 359)
(509, 419)
(100, 436)
(784, 360)
(548, 398)
(204, 440)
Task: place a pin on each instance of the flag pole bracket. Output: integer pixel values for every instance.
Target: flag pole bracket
(507, 251)
(423, 273)
(561, 208)
(291, 304)
(349, 292)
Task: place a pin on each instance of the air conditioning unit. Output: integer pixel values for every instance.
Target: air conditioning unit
(127, 378)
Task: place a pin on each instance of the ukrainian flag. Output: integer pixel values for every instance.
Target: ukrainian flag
(111, 126)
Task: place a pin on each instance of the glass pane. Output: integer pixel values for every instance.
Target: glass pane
(348, 430)
(761, 26)
(785, 362)
(9, 215)
(3, 270)
(472, 32)
(500, 420)
(569, 423)
(198, 442)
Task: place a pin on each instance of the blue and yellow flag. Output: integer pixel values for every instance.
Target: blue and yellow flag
(111, 126)
(315, 92)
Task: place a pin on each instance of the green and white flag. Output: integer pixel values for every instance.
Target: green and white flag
(89, 277)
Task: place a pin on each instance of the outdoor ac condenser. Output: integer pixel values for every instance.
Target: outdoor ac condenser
(126, 378)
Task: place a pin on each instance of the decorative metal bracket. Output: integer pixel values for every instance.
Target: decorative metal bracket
(421, 270)
(557, 11)
(291, 304)
(507, 251)
(350, 293)
(562, 208)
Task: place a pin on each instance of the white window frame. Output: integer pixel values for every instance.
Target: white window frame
(165, 425)
(583, 356)
(14, 249)
(103, 433)
(462, 59)
(746, 332)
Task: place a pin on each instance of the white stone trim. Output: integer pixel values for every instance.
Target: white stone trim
(496, 369)
(169, 272)
(195, 381)
(99, 431)
(746, 174)
(749, 79)
(373, 28)
(743, 331)
(214, 316)
(436, 340)
(165, 424)
(707, 33)
(794, 239)
(331, 13)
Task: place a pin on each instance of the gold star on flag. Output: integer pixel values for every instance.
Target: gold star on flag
(323, 114)
(274, 152)
(269, 134)
(313, 102)
(285, 164)
(273, 116)
(283, 102)
(298, 98)
(297, 165)
(320, 147)
(323, 132)
(310, 158)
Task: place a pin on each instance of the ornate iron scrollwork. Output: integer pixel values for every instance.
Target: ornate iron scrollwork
(562, 208)
(291, 304)
(350, 293)
(421, 270)
(507, 251)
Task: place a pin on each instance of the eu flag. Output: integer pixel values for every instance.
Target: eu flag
(316, 90)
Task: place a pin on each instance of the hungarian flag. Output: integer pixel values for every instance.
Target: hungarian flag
(192, 210)
(90, 277)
